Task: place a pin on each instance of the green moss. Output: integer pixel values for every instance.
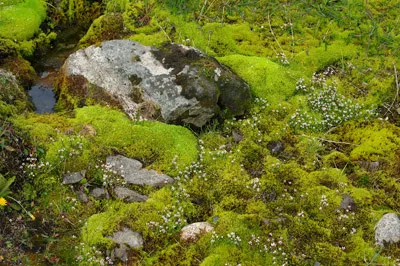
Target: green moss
(318, 58)
(21, 68)
(156, 39)
(106, 27)
(21, 20)
(377, 141)
(336, 159)
(362, 251)
(13, 99)
(101, 225)
(42, 127)
(224, 250)
(153, 143)
(7, 48)
(267, 79)
(332, 178)
(361, 196)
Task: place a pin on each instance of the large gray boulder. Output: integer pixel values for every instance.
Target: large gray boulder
(387, 230)
(175, 84)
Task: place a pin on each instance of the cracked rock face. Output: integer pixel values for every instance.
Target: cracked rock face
(174, 84)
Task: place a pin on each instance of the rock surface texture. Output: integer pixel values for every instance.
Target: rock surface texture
(133, 173)
(387, 229)
(175, 84)
(73, 178)
(193, 231)
(129, 195)
(126, 239)
(348, 203)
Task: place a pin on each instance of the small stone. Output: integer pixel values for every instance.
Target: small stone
(193, 231)
(121, 163)
(275, 147)
(82, 197)
(348, 203)
(128, 237)
(129, 195)
(369, 166)
(70, 131)
(215, 219)
(100, 193)
(73, 178)
(237, 135)
(387, 230)
(317, 263)
(268, 196)
(120, 252)
(148, 177)
(134, 174)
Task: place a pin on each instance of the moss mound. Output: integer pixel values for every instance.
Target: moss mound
(159, 146)
(20, 20)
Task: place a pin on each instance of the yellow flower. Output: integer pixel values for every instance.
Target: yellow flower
(32, 217)
(3, 201)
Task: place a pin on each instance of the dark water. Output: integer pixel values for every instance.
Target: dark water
(42, 94)
(47, 64)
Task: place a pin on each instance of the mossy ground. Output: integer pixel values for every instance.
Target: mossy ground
(20, 20)
(269, 204)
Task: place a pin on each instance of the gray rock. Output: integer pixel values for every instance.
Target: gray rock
(387, 230)
(133, 173)
(10, 89)
(269, 196)
(348, 203)
(148, 177)
(82, 196)
(215, 219)
(176, 84)
(100, 193)
(73, 178)
(129, 195)
(275, 147)
(237, 135)
(369, 166)
(120, 252)
(123, 164)
(193, 231)
(128, 237)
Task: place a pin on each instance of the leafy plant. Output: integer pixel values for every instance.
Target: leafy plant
(5, 186)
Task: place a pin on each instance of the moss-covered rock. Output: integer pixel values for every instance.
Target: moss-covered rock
(106, 27)
(13, 99)
(159, 146)
(175, 84)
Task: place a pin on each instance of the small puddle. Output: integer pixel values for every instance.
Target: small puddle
(42, 93)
